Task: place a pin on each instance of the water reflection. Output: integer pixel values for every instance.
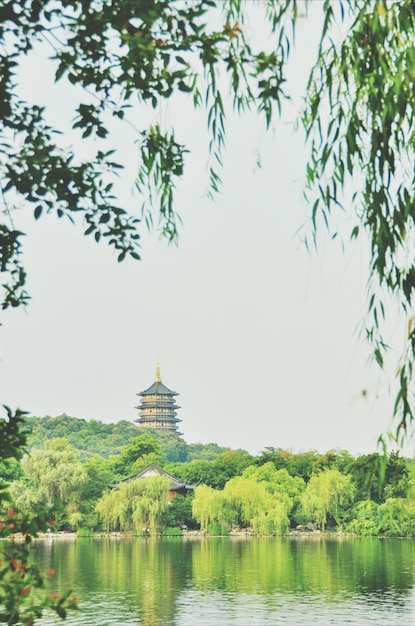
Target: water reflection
(224, 581)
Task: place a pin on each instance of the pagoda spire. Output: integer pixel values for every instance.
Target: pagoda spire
(157, 378)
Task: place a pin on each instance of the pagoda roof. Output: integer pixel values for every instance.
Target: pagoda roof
(155, 470)
(158, 418)
(158, 388)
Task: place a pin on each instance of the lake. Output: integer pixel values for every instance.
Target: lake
(221, 581)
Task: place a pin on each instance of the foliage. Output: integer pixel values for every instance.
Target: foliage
(362, 157)
(84, 532)
(176, 450)
(364, 519)
(243, 498)
(396, 518)
(326, 494)
(207, 506)
(204, 451)
(258, 502)
(245, 501)
(138, 504)
(23, 588)
(138, 447)
(86, 484)
(376, 476)
(277, 481)
(179, 512)
(229, 464)
(119, 52)
(195, 472)
(287, 491)
(152, 503)
(393, 518)
(173, 448)
(141, 451)
(56, 471)
(10, 470)
(410, 478)
(214, 473)
(396, 480)
(297, 464)
(25, 498)
(217, 530)
(172, 531)
(99, 474)
(333, 459)
(12, 435)
(90, 437)
(273, 520)
(53, 474)
(106, 509)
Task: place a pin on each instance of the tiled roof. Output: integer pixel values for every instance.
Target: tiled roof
(155, 470)
(157, 388)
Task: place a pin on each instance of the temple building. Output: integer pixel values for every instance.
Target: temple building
(176, 487)
(157, 407)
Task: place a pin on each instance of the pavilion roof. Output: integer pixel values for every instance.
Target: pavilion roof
(155, 470)
(158, 388)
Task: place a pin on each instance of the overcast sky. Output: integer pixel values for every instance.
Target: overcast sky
(259, 337)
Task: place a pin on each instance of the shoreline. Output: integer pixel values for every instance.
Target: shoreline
(197, 534)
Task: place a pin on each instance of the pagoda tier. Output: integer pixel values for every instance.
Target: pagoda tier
(157, 407)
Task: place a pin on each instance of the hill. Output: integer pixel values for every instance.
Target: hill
(94, 437)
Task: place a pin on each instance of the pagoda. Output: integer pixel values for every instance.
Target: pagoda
(157, 407)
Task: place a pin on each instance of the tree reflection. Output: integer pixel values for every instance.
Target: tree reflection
(151, 580)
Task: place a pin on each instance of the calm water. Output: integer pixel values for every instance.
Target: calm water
(220, 581)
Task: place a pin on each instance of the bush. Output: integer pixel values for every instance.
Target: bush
(396, 519)
(365, 519)
(172, 532)
(84, 532)
(179, 512)
(217, 529)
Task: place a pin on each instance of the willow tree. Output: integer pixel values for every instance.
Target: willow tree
(244, 496)
(107, 508)
(207, 506)
(327, 494)
(272, 520)
(151, 502)
(358, 118)
(258, 500)
(277, 481)
(56, 472)
(135, 505)
(243, 502)
(396, 518)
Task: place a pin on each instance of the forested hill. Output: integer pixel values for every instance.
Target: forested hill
(94, 437)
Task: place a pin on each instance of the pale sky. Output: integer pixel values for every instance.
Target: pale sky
(259, 337)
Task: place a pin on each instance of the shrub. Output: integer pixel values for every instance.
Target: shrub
(172, 532)
(217, 529)
(365, 519)
(84, 532)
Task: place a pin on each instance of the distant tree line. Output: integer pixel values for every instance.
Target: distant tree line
(95, 437)
(73, 462)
